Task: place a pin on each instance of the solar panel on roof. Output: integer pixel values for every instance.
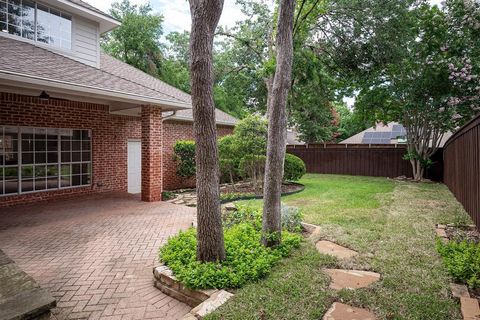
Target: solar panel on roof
(368, 135)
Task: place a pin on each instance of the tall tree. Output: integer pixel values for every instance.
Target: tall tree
(205, 16)
(277, 125)
(137, 40)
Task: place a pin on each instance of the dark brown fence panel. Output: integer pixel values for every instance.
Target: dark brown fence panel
(360, 160)
(461, 156)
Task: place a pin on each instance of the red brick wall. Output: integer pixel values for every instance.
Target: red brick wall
(110, 134)
(172, 132)
(151, 153)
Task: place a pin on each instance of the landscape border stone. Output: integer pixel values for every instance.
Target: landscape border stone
(202, 301)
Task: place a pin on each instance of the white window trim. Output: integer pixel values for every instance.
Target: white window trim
(43, 44)
(59, 162)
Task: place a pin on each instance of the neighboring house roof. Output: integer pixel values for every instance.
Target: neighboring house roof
(384, 134)
(379, 134)
(293, 138)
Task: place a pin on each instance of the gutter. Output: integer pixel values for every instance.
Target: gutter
(174, 112)
(187, 119)
(130, 97)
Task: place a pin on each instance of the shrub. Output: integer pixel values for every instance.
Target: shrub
(246, 259)
(294, 168)
(291, 218)
(244, 213)
(250, 136)
(462, 260)
(185, 157)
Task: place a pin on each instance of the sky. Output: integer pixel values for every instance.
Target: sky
(176, 14)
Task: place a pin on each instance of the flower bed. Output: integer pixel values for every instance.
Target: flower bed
(246, 258)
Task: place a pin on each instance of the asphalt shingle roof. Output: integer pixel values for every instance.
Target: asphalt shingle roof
(126, 71)
(30, 60)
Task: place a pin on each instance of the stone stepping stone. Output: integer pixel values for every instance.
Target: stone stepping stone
(470, 308)
(340, 311)
(333, 249)
(459, 290)
(351, 279)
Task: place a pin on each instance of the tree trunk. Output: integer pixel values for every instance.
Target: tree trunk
(277, 126)
(205, 15)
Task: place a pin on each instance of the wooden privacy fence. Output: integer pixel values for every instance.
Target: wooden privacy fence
(462, 167)
(384, 160)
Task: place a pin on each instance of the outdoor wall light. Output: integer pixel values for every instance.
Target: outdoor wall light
(44, 96)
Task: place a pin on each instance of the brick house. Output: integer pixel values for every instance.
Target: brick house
(74, 120)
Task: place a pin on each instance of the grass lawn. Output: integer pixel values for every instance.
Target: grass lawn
(391, 225)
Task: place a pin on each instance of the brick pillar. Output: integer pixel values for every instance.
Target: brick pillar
(151, 153)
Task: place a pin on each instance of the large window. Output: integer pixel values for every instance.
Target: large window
(37, 159)
(36, 22)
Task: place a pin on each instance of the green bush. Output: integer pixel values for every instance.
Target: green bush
(294, 168)
(462, 260)
(246, 259)
(291, 217)
(185, 157)
(244, 213)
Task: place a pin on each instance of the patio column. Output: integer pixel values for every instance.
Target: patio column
(151, 153)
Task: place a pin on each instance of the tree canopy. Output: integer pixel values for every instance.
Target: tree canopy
(392, 55)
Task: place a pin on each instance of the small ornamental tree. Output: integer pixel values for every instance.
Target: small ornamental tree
(434, 88)
(250, 136)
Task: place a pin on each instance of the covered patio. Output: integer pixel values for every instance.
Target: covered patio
(95, 253)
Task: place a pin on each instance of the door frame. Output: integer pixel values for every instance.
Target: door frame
(141, 164)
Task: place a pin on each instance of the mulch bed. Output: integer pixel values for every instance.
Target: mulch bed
(248, 188)
(462, 233)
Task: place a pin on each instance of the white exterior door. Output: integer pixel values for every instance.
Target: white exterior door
(134, 164)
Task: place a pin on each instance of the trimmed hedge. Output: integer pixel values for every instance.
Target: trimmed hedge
(294, 168)
(185, 157)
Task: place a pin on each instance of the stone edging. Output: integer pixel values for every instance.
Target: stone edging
(203, 302)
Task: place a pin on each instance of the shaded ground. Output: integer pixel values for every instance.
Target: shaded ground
(95, 254)
(391, 224)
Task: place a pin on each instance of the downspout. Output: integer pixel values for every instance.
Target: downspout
(169, 116)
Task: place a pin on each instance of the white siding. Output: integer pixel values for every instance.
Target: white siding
(85, 44)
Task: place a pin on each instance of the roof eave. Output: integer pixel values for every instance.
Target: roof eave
(186, 119)
(114, 95)
(106, 22)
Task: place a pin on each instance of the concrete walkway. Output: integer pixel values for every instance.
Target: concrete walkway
(95, 254)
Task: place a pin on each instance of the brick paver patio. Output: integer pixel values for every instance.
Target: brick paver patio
(95, 254)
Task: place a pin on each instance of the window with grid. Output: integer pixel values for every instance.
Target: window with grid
(37, 22)
(38, 159)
